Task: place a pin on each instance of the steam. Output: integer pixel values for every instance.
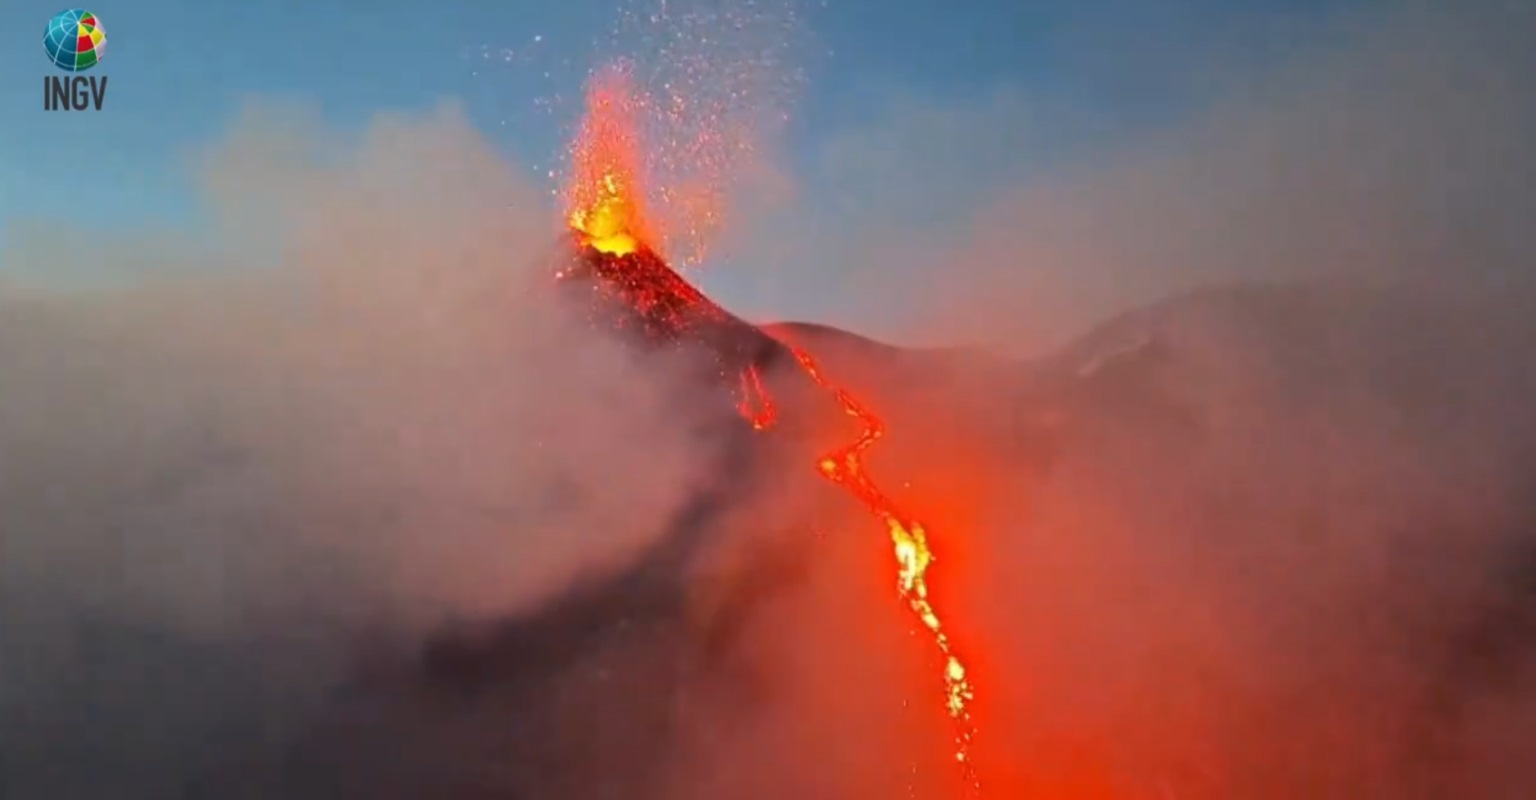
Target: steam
(1279, 545)
(388, 426)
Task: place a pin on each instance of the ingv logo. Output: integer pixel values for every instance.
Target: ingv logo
(75, 41)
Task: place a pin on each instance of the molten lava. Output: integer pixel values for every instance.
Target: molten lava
(603, 193)
(844, 466)
(615, 257)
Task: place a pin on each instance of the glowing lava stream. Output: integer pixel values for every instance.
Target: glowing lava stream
(845, 467)
(607, 216)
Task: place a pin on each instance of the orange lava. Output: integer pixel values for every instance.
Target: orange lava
(607, 214)
(607, 208)
(844, 466)
(755, 405)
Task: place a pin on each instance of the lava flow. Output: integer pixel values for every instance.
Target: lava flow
(844, 466)
(614, 256)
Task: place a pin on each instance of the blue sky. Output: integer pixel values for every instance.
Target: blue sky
(172, 86)
(1103, 71)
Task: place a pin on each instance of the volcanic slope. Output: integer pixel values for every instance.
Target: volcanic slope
(1351, 497)
(1199, 378)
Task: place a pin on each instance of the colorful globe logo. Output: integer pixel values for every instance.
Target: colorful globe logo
(75, 40)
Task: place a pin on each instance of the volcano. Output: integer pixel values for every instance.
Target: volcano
(639, 292)
(628, 286)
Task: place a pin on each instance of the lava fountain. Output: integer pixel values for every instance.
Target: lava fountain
(615, 259)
